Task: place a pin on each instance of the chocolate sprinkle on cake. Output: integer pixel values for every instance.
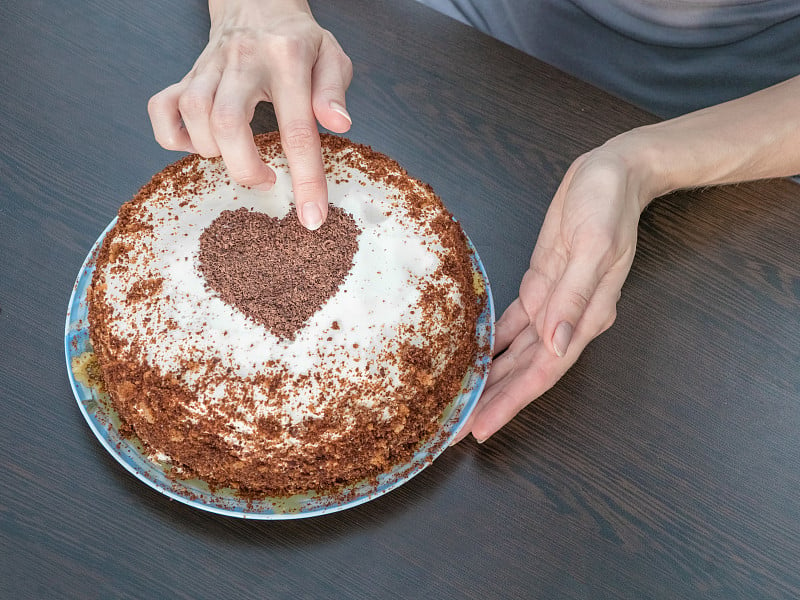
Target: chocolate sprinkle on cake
(241, 349)
(276, 271)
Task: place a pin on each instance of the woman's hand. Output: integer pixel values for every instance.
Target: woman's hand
(569, 293)
(270, 50)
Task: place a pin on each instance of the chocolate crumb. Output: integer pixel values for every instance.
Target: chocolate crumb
(276, 271)
(412, 374)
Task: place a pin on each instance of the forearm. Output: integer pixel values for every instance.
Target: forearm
(754, 137)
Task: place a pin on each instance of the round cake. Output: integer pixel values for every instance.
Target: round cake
(249, 352)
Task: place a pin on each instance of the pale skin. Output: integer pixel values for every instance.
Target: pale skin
(273, 50)
(270, 50)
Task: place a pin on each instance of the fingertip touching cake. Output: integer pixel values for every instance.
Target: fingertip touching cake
(247, 351)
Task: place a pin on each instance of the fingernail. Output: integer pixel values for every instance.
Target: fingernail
(311, 216)
(336, 107)
(562, 338)
(266, 186)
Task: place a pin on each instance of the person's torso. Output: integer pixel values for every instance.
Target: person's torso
(688, 23)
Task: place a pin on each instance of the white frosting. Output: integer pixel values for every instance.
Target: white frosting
(377, 300)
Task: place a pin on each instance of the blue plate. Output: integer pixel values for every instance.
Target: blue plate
(105, 424)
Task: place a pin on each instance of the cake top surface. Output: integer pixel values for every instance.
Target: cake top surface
(388, 291)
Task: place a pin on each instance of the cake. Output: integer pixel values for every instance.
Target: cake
(246, 351)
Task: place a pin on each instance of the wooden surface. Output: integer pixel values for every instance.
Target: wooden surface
(666, 464)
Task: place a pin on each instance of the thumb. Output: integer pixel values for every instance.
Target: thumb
(568, 303)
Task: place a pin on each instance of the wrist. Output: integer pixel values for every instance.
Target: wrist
(250, 9)
(753, 137)
(644, 165)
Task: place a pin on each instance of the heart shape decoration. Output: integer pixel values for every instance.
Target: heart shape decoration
(274, 270)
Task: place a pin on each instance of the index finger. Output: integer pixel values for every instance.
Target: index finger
(300, 140)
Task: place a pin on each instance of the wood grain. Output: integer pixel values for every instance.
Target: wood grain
(665, 464)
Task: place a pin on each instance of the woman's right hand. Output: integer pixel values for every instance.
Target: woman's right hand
(270, 50)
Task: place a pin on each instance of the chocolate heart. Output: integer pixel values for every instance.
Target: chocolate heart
(276, 271)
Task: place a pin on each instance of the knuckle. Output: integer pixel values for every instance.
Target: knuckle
(166, 140)
(156, 104)
(610, 319)
(347, 68)
(578, 298)
(329, 38)
(331, 90)
(195, 104)
(226, 119)
(286, 49)
(535, 376)
(341, 58)
(243, 52)
(300, 138)
(239, 47)
(537, 274)
(246, 176)
(309, 186)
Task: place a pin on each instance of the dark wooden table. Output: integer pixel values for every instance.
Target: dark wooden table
(666, 464)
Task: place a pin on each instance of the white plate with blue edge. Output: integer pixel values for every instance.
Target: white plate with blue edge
(129, 452)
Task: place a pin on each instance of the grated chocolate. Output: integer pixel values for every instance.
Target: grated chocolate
(222, 410)
(274, 270)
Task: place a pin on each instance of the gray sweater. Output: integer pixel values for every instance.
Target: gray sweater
(668, 56)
